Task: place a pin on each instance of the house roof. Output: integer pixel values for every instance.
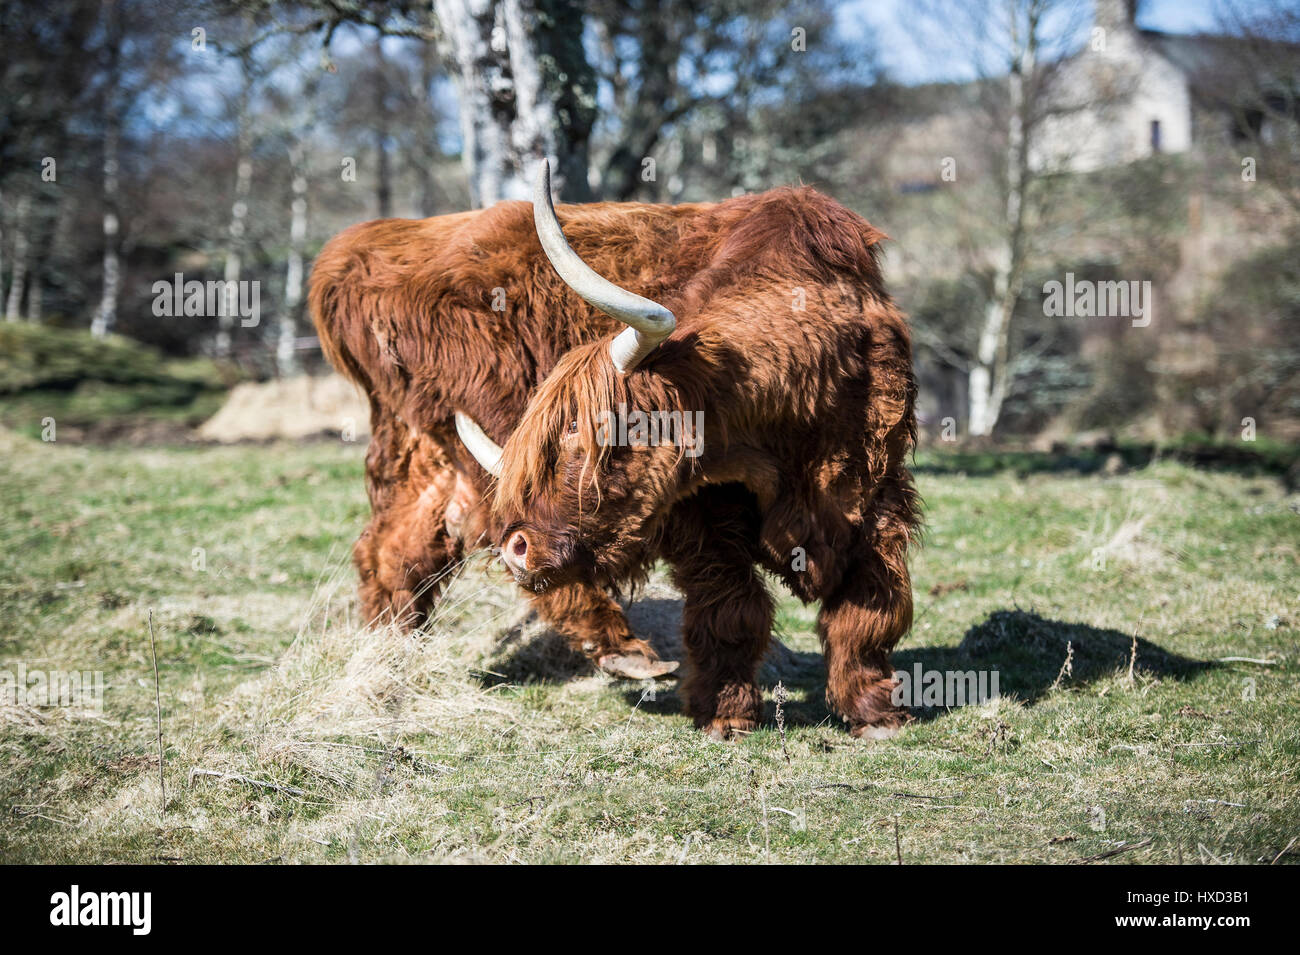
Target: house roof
(1228, 69)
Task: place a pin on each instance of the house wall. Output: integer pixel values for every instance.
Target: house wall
(1107, 98)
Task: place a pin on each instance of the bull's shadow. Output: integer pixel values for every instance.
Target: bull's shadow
(530, 652)
(1029, 653)
(1026, 650)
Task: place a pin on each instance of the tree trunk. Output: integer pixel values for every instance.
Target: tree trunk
(286, 362)
(990, 375)
(45, 214)
(34, 303)
(234, 250)
(384, 168)
(526, 91)
(106, 316)
(14, 303)
(2, 244)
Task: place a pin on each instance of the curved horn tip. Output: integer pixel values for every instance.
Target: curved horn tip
(542, 185)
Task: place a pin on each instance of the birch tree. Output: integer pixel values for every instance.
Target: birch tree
(2, 234)
(22, 246)
(989, 375)
(114, 108)
(34, 299)
(106, 314)
(237, 226)
(285, 360)
(1016, 49)
(526, 91)
(383, 160)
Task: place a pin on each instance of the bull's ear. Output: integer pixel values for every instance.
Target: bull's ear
(486, 451)
(648, 322)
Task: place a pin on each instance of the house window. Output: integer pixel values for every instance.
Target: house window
(1155, 135)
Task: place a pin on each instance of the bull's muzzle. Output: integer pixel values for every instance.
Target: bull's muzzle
(541, 559)
(515, 555)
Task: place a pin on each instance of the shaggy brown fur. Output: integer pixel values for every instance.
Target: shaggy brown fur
(406, 309)
(789, 344)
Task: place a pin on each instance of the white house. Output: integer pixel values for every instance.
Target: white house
(1121, 98)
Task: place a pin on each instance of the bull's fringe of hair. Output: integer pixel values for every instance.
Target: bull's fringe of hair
(583, 384)
(583, 388)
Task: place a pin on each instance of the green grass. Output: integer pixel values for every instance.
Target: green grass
(484, 740)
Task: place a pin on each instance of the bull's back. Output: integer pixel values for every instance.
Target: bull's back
(367, 276)
(391, 297)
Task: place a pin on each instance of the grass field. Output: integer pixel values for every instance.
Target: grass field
(293, 735)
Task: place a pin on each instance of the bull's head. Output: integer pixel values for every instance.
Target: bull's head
(575, 502)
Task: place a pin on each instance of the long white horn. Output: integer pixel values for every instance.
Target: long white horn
(648, 322)
(486, 451)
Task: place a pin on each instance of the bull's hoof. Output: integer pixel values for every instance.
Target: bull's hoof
(877, 732)
(635, 666)
(726, 730)
(872, 713)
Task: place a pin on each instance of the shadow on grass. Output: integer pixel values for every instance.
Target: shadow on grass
(1028, 653)
(1026, 650)
(531, 652)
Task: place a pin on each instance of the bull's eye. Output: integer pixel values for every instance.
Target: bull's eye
(573, 426)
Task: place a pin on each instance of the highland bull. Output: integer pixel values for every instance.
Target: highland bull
(762, 317)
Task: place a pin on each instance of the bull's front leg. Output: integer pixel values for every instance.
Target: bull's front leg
(595, 625)
(727, 617)
(859, 623)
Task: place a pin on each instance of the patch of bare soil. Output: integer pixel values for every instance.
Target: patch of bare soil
(137, 432)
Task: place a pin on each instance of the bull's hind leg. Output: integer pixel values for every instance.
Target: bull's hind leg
(727, 618)
(866, 615)
(405, 551)
(595, 624)
(404, 555)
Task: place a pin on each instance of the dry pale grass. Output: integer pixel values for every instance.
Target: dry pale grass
(32, 718)
(289, 409)
(24, 716)
(1123, 535)
(372, 686)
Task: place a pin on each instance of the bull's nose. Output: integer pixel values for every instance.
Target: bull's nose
(515, 552)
